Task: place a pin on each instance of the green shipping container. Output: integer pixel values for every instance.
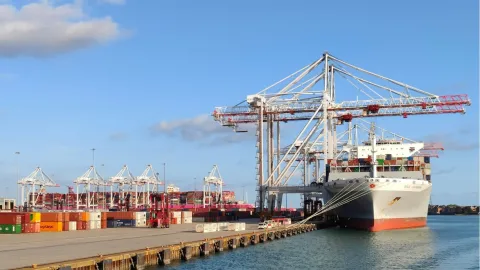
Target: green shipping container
(356, 169)
(380, 161)
(10, 229)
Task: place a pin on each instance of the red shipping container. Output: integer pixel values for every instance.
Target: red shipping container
(104, 224)
(82, 225)
(52, 217)
(66, 217)
(10, 218)
(75, 217)
(25, 217)
(65, 226)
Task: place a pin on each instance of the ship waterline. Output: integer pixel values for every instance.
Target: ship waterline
(382, 203)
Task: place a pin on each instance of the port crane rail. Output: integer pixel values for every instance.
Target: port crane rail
(33, 186)
(294, 98)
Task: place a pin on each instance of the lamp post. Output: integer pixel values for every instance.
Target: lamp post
(164, 178)
(17, 154)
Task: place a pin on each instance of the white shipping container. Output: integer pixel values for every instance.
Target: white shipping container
(72, 225)
(213, 227)
(141, 215)
(141, 223)
(187, 214)
(92, 224)
(223, 226)
(95, 216)
(176, 214)
(242, 226)
(186, 220)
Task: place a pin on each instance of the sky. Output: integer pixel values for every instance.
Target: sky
(138, 80)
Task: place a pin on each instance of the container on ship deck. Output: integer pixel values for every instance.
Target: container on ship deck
(10, 219)
(428, 177)
(10, 229)
(427, 159)
(410, 158)
(380, 161)
(388, 156)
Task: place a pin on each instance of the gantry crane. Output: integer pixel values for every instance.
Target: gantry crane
(311, 95)
(124, 179)
(90, 178)
(33, 187)
(148, 182)
(213, 179)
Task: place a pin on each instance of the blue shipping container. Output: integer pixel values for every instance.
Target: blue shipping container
(410, 158)
(427, 159)
(125, 223)
(111, 223)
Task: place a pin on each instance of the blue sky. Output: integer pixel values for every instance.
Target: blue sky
(137, 79)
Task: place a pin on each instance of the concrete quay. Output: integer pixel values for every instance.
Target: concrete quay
(81, 249)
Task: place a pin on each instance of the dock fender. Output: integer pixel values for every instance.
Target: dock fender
(254, 239)
(138, 261)
(232, 243)
(105, 265)
(164, 257)
(186, 253)
(218, 246)
(205, 249)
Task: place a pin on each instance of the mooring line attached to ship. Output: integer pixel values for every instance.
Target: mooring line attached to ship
(334, 202)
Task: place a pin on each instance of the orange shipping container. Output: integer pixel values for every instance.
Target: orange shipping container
(104, 216)
(120, 215)
(66, 227)
(66, 217)
(104, 224)
(85, 216)
(51, 217)
(51, 226)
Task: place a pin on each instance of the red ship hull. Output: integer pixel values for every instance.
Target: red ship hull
(376, 225)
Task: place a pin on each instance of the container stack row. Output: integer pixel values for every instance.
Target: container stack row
(126, 219)
(181, 217)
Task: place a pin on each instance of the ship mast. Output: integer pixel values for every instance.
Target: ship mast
(373, 141)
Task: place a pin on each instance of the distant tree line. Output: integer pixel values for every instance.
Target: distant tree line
(452, 209)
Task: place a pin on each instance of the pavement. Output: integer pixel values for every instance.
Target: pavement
(23, 250)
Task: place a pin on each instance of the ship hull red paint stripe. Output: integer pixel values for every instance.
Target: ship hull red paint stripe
(376, 225)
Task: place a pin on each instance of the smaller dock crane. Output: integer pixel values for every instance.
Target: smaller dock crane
(159, 214)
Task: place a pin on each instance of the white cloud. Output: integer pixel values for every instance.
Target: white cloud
(202, 128)
(118, 136)
(43, 29)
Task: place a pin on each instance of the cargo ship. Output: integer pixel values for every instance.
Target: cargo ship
(394, 179)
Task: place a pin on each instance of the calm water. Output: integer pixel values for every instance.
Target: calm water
(449, 242)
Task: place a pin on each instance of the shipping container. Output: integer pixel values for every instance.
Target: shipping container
(48, 226)
(72, 225)
(428, 177)
(10, 218)
(380, 162)
(10, 229)
(121, 215)
(76, 216)
(51, 217)
(410, 158)
(104, 224)
(82, 225)
(66, 226)
(125, 223)
(388, 156)
(66, 217)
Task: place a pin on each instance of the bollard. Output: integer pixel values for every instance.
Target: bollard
(164, 257)
(105, 265)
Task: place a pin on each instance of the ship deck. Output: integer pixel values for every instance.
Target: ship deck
(22, 250)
